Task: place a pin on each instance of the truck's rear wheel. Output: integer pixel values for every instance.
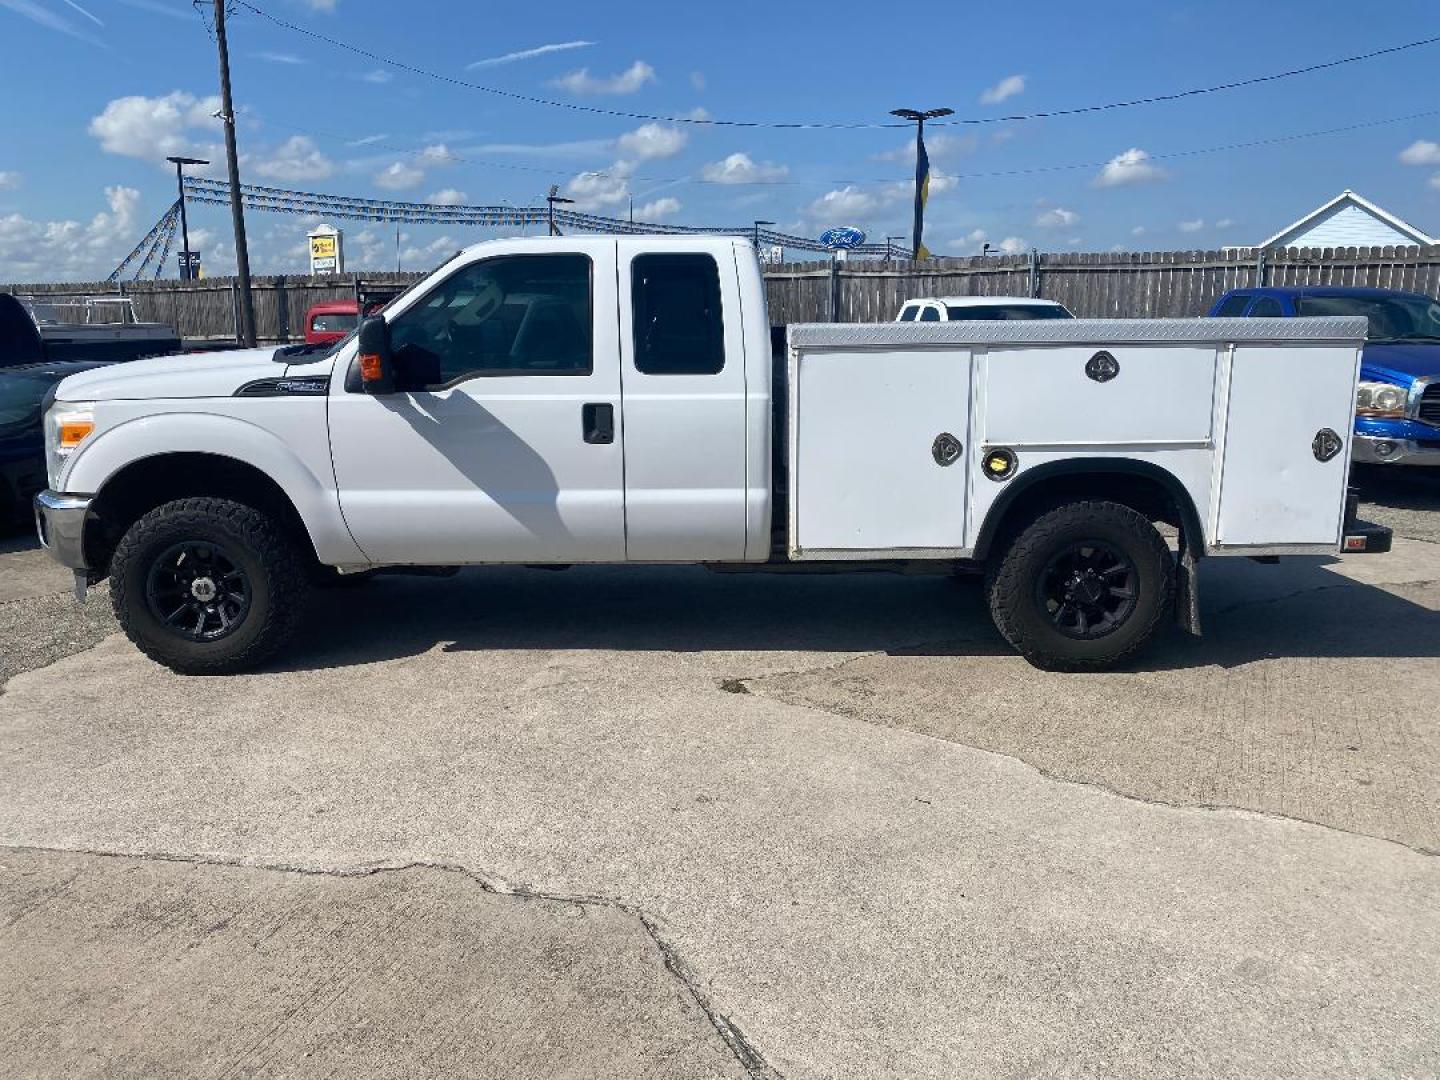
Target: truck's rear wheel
(1083, 587)
(207, 586)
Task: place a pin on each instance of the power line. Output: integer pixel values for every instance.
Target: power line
(710, 121)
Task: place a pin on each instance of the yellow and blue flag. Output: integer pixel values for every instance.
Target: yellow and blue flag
(922, 192)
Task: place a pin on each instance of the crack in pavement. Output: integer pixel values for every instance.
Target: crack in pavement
(739, 1045)
(727, 684)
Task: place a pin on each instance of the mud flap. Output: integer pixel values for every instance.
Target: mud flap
(1187, 592)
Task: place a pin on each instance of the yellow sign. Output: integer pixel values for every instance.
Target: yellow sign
(322, 247)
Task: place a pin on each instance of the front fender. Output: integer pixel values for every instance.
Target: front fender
(311, 491)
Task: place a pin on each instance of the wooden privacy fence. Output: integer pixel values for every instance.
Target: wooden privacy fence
(1160, 284)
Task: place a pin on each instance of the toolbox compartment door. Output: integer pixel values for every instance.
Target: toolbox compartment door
(870, 430)
(1273, 489)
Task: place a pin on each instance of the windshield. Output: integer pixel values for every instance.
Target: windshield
(1392, 318)
(1005, 312)
(337, 323)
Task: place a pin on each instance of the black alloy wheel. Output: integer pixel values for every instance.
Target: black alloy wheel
(198, 590)
(1088, 589)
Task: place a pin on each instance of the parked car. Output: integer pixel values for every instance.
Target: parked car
(1397, 402)
(22, 443)
(330, 320)
(981, 309)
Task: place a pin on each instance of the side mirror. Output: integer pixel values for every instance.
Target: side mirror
(377, 365)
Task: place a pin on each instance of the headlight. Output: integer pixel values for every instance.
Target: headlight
(1381, 399)
(67, 425)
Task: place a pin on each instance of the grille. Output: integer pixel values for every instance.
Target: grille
(1429, 408)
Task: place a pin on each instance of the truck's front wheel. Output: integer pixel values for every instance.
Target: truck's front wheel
(207, 586)
(1084, 587)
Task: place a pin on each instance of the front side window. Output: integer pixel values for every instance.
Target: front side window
(1267, 307)
(679, 323)
(509, 315)
(907, 314)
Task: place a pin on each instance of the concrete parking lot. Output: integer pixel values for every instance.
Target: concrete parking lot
(658, 822)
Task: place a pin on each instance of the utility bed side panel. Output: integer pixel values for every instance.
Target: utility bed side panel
(865, 481)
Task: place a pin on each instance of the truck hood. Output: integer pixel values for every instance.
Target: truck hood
(1400, 363)
(194, 375)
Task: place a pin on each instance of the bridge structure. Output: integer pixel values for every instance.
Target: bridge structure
(259, 197)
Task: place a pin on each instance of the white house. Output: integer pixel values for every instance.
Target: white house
(1348, 220)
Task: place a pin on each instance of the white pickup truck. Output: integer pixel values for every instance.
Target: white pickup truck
(551, 401)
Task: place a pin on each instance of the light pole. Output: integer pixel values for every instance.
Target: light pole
(553, 198)
(186, 273)
(922, 172)
(758, 223)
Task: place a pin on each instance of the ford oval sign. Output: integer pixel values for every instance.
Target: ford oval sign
(842, 237)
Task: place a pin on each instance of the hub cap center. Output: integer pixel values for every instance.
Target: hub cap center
(203, 589)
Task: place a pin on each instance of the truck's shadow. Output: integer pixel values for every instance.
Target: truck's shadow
(1251, 612)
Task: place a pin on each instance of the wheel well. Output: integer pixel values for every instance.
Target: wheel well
(1145, 488)
(145, 484)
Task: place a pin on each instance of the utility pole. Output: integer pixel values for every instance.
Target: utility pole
(232, 161)
(922, 172)
(553, 198)
(186, 271)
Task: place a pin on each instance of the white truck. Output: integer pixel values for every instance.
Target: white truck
(552, 401)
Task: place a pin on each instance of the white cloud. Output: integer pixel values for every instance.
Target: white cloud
(1138, 230)
(1435, 180)
(937, 146)
(697, 80)
(1056, 218)
(658, 210)
(43, 16)
(378, 76)
(321, 5)
(652, 141)
(1225, 223)
(972, 242)
(9, 180)
(601, 190)
(435, 155)
(1134, 166)
(529, 54)
(1421, 152)
(398, 176)
(739, 168)
(1194, 225)
(154, 128)
(278, 57)
(1014, 245)
(1007, 87)
(842, 204)
(448, 197)
(627, 82)
(70, 250)
(159, 7)
(297, 158)
(367, 140)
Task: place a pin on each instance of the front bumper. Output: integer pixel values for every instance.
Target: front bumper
(60, 524)
(1380, 450)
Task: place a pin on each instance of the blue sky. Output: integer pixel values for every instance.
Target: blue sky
(99, 91)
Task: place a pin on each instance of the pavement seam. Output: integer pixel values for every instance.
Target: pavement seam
(735, 1040)
(728, 685)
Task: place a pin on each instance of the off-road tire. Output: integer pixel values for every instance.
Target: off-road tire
(275, 568)
(1014, 583)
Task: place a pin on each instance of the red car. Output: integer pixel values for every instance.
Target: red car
(330, 321)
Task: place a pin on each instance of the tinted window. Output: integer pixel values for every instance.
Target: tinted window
(1267, 307)
(679, 325)
(510, 315)
(1233, 306)
(1392, 318)
(930, 314)
(20, 397)
(907, 314)
(1007, 312)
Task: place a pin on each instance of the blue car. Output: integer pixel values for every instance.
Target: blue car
(1397, 405)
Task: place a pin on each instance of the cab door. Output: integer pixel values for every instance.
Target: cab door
(515, 454)
(683, 374)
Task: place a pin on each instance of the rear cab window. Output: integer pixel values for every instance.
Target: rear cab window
(1233, 306)
(679, 323)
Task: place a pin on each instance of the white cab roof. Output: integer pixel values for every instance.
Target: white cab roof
(986, 301)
